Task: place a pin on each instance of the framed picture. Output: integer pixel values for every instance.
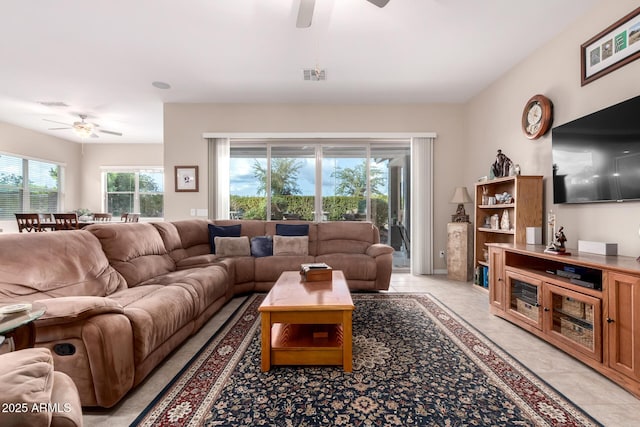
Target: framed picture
(186, 178)
(612, 48)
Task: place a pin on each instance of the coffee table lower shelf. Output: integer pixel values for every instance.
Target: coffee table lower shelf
(293, 344)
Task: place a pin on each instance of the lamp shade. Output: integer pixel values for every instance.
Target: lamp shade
(460, 195)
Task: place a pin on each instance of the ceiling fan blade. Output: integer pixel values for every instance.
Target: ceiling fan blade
(305, 13)
(94, 135)
(110, 132)
(53, 121)
(379, 3)
(58, 128)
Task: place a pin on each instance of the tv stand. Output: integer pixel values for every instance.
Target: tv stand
(587, 305)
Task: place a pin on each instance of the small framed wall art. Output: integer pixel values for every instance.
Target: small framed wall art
(610, 49)
(186, 178)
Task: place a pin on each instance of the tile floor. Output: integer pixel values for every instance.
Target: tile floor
(601, 398)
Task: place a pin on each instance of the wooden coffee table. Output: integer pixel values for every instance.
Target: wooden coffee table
(307, 323)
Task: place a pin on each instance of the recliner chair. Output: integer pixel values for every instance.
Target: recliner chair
(33, 394)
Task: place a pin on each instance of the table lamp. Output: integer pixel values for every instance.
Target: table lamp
(460, 196)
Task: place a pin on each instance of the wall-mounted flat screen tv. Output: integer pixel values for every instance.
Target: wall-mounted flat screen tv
(596, 158)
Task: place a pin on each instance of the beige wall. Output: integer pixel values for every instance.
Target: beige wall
(184, 125)
(98, 156)
(22, 142)
(494, 117)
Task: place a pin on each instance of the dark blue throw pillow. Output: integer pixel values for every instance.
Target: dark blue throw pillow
(261, 246)
(292, 229)
(222, 231)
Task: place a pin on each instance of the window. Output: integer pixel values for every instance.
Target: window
(396, 196)
(28, 185)
(139, 190)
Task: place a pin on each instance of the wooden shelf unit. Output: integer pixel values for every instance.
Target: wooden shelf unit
(525, 211)
(597, 325)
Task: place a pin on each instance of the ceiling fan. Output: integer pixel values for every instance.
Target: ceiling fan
(84, 129)
(305, 11)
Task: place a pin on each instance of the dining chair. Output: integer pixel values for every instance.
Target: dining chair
(102, 217)
(131, 217)
(46, 217)
(66, 221)
(28, 222)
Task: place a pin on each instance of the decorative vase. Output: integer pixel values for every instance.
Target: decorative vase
(495, 222)
(504, 223)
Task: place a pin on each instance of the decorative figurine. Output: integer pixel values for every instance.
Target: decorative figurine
(502, 166)
(557, 246)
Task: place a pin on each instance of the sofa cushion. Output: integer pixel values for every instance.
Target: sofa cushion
(156, 313)
(205, 284)
(354, 266)
(261, 246)
(185, 239)
(222, 231)
(269, 269)
(250, 227)
(50, 265)
(136, 250)
(292, 229)
(232, 246)
(346, 237)
(290, 245)
(270, 230)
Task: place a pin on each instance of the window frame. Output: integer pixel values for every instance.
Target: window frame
(136, 171)
(25, 187)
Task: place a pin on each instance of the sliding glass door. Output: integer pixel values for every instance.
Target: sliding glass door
(325, 181)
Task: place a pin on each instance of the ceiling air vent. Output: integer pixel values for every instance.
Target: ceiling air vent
(314, 74)
(53, 104)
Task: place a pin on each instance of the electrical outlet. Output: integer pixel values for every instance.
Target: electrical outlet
(441, 254)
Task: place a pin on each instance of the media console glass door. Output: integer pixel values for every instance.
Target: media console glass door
(524, 298)
(574, 320)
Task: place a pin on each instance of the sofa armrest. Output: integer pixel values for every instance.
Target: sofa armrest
(378, 249)
(64, 310)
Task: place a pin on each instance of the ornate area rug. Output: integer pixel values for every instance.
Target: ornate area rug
(415, 362)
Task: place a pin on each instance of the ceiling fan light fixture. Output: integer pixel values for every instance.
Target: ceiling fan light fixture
(82, 129)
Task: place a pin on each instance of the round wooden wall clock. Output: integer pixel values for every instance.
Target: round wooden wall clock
(537, 116)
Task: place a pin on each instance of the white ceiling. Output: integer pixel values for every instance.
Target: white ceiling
(100, 57)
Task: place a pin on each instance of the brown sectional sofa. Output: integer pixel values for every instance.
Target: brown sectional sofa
(121, 297)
